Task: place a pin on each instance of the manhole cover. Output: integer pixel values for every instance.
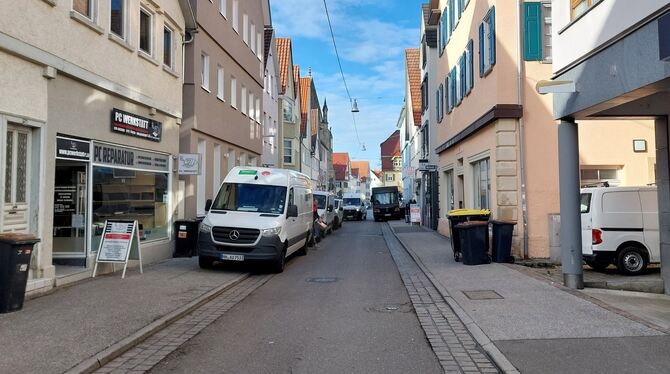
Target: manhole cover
(482, 295)
(323, 280)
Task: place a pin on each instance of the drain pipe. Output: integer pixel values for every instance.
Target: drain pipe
(522, 138)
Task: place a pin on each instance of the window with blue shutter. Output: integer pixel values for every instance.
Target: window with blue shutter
(446, 94)
(461, 5)
(452, 15)
(532, 31)
(453, 87)
(471, 67)
(492, 34)
(464, 83)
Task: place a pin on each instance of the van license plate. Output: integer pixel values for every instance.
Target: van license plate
(387, 215)
(232, 257)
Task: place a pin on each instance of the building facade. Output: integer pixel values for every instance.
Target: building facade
(392, 161)
(223, 95)
(343, 179)
(409, 122)
(86, 136)
(325, 144)
(289, 104)
(270, 155)
(361, 169)
(612, 82)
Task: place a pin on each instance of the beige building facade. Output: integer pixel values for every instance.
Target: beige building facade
(88, 137)
(497, 139)
(223, 95)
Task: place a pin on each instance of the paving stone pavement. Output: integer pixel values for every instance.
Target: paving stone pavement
(453, 345)
(155, 348)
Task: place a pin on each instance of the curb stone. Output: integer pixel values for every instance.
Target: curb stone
(103, 357)
(482, 339)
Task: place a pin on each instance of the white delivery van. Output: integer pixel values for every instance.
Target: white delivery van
(339, 213)
(325, 202)
(354, 206)
(620, 226)
(259, 214)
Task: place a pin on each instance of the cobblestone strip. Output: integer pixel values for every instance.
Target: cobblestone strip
(453, 345)
(151, 351)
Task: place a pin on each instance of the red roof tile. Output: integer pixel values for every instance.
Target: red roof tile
(363, 168)
(284, 53)
(413, 66)
(305, 94)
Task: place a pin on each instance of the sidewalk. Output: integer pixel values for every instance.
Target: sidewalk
(536, 324)
(55, 332)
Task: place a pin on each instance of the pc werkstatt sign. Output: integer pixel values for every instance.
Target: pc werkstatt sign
(134, 125)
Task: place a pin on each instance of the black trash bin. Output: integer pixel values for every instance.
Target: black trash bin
(15, 253)
(474, 239)
(186, 241)
(459, 216)
(501, 246)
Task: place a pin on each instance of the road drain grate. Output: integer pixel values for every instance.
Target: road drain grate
(323, 280)
(482, 295)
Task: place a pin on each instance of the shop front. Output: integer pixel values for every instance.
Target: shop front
(97, 181)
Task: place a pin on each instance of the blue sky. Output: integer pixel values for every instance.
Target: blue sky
(371, 37)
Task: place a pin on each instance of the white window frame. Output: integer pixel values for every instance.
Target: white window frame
(223, 8)
(476, 183)
(259, 45)
(487, 52)
(252, 38)
(258, 110)
(245, 28)
(204, 71)
(252, 109)
(236, 16)
(92, 7)
(220, 83)
(243, 103)
(151, 32)
(290, 151)
(233, 91)
(172, 64)
(547, 27)
(124, 20)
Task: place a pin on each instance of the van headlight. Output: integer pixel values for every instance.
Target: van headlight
(205, 228)
(272, 231)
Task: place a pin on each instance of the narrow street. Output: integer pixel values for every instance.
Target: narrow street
(341, 308)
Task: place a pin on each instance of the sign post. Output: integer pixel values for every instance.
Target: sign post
(120, 242)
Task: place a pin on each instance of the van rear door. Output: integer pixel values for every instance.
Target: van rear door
(586, 200)
(649, 201)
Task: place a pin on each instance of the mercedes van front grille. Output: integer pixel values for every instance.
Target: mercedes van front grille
(235, 235)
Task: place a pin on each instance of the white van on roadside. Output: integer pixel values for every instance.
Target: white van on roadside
(259, 214)
(326, 208)
(620, 226)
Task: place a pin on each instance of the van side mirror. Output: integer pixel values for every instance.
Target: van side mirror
(208, 205)
(292, 211)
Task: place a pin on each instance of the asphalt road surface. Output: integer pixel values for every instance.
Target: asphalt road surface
(340, 309)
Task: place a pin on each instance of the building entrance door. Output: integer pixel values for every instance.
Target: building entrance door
(70, 212)
(15, 215)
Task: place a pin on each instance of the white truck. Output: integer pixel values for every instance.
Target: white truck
(354, 206)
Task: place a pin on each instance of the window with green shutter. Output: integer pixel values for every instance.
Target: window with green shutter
(532, 40)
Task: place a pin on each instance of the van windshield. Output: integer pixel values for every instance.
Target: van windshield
(585, 202)
(251, 198)
(320, 201)
(385, 198)
(352, 201)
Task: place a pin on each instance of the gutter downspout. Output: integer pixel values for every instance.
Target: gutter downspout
(522, 138)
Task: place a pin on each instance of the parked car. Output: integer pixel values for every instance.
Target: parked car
(620, 226)
(354, 206)
(259, 214)
(339, 213)
(326, 209)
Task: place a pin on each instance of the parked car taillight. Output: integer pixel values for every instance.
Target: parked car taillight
(596, 236)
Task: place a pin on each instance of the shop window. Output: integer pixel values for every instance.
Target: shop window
(482, 184)
(130, 194)
(146, 26)
(117, 18)
(168, 51)
(84, 7)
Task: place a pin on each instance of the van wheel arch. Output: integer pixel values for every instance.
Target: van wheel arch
(635, 244)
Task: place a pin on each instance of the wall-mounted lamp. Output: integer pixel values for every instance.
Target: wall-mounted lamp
(639, 145)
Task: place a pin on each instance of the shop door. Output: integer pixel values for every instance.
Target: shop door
(16, 199)
(70, 208)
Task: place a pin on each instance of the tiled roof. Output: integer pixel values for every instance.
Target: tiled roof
(390, 148)
(340, 158)
(340, 172)
(354, 172)
(305, 94)
(413, 66)
(284, 53)
(269, 32)
(363, 168)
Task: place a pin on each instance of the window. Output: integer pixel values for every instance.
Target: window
(579, 7)
(447, 94)
(244, 107)
(252, 110)
(220, 82)
(204, 71)
(252, 37)
(424, 94)
(288, 151)
(458, 71)
(250, 198)
(390, 177)
(425, 141)
(287, 111)
(258, 110)
(259, 44)
(487, 43)
(223, 7)
(595, 176)
(83, 7)
(537, 31)
(245, 28)
(145, 31)
(116, 17)
(438, 103)
(236, 16)
(469, 67)
(482, 184)
(167, 47)
(233, 92)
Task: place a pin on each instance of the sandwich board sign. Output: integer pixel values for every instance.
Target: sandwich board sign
(415, 213)
(120, 242)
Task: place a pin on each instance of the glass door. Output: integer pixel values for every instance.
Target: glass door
(16, 199)
(70, 211)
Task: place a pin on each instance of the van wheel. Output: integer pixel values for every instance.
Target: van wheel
(280, 263)
(336, 224)
(205, 262)
(632, 261)
(303, 250)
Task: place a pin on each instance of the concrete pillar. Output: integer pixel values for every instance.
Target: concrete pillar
(663, 184)
(571, 227)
